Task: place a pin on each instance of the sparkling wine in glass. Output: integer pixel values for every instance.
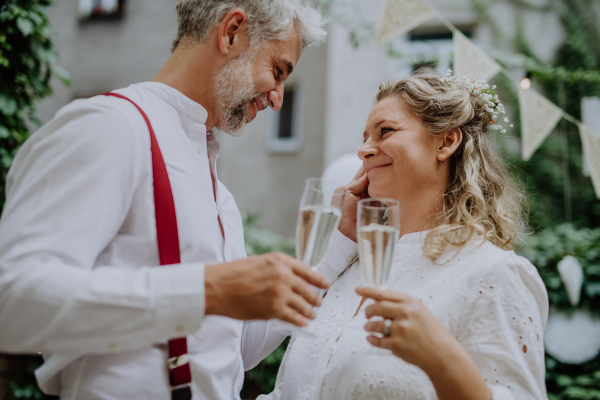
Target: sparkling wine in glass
(378, 231)
(318, 218)
(316, 223)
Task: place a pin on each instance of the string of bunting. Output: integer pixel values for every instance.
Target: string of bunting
(539, 116)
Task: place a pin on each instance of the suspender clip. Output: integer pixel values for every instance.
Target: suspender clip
(175, 362)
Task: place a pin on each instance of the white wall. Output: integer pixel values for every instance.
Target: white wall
(106, 55)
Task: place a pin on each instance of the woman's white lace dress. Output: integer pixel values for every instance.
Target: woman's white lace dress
(491, 300)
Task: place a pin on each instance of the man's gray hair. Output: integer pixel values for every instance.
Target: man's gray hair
(267, 19)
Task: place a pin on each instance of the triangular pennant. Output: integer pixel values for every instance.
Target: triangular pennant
(538, 118)
(400, 16)
(590, 116)
(470, 61)
(571, 273)
(591, 148)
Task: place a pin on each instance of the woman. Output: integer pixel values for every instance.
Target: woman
(466, 314)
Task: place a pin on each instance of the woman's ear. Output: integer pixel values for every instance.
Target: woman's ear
(449, 143)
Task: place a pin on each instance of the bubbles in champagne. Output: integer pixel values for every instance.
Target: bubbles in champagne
(316, 223)
(376, 246)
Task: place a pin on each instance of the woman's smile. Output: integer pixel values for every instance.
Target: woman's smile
(375, 168)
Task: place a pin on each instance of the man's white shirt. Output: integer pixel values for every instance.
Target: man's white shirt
(80, 279)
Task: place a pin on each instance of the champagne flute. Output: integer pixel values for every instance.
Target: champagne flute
(318, 217)
(378, 231)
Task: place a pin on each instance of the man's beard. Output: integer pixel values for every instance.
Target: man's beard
(234, 91)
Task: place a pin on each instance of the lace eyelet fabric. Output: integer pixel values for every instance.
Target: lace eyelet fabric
(491, 300)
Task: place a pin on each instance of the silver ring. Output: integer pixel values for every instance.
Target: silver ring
(387, 324)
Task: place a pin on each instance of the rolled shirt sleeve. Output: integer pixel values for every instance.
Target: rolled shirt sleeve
(68, 194)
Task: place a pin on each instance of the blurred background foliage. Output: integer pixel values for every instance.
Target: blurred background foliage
(27, 62)
(545, 249)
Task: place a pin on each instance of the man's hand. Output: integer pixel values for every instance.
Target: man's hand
(356, 190)
(263, 287)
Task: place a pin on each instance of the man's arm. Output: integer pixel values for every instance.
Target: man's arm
(68, 194)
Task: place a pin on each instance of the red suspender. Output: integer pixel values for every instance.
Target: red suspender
(167, 237)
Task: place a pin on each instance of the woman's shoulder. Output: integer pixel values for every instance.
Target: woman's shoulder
(485, 256)
(512, 273)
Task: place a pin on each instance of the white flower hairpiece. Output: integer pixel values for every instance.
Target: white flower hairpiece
(480, 88)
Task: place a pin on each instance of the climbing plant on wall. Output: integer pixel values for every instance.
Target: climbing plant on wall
(27, 63)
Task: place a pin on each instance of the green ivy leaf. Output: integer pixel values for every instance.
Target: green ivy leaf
(593, 270)
(564, 380)
(6, 158)
(36, 18)
(4, 133)
(593, 289)
(62, 74)
(25, 26)
(8, 105)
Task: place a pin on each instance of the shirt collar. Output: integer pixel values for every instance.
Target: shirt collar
(178, 100)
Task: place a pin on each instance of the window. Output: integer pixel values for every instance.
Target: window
(436, 33)
(284, 127)
(433, 46)
(94, 10)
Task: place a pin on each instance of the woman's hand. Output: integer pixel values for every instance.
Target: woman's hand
(356, 190)
(419, 338)
(416, 335)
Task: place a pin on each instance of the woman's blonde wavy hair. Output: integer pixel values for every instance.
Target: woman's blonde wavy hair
(482, 198)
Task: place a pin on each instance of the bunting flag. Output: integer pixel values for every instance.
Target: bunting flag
(538, 118)
(470, 61)
(590, 116)
(400, 16)
(571, 274)
(591, 148)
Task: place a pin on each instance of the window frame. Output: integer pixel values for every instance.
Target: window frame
(115, 16)
(277, 145)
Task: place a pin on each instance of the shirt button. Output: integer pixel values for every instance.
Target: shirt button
(200, 150)
(112, 346)
(199, 112)
(349, 258)
(179, 329)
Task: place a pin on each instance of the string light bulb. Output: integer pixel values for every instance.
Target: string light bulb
(525, 83)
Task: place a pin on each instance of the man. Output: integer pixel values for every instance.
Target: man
(80, 279)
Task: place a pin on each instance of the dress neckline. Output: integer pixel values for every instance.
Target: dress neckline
(415, 237)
